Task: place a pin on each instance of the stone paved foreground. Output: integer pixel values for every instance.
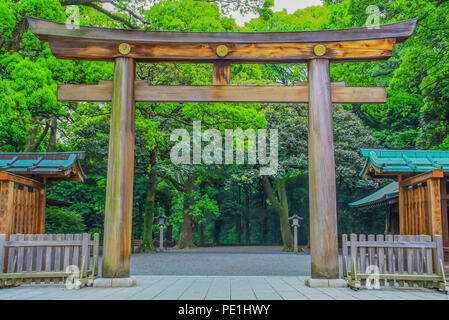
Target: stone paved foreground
(217, 288)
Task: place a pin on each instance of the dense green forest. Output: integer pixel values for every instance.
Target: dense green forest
(220, 204)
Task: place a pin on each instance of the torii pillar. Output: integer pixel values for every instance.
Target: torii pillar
(322, 183)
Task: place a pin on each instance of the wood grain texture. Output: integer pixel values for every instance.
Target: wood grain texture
(434, 207)
(45, 28)
(222, 73)
(423, 177)
(220, 93)
(102, 50)
(119, 188)
(322, 183)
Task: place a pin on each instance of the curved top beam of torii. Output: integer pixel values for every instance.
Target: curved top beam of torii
(91, 43)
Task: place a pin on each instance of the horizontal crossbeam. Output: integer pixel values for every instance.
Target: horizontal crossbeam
(219, 93)
(90, 43)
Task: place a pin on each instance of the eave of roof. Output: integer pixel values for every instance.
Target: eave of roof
(45, 28)
(380, 197)
(388, 162)
(52, 165)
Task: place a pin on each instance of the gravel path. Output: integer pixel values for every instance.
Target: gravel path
(243, 261)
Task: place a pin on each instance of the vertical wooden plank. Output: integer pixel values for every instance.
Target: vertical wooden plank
(444, 217)
(409, 255)
(344, 251)
(85, 252)
(39, 253)
(322, 183)
(67, 251)
(20, 208)
(381, 257)
(58, 253)
(222, 73)
(12, 256)
(29, 254)
(42, 204)
(76, 251)
(354, 254)
(401, 207)
(418, 211)
(96, 252)
(421, 256)
(429, 257)
(8, 211)
(434, 205)
(20, 254)
(390, 256)
(48, 254)
(119, 188)
(2, 251)
(381, 254)
(362, 253)
(371, 251)
(439, 260)
(401, 260)
(390, 259)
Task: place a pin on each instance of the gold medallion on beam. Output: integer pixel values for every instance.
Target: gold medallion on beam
(222, 50)
(319, 50)
(124, 48)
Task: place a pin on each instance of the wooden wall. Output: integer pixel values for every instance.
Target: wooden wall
(22, 205)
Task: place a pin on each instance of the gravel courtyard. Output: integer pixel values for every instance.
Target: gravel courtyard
(242, 261)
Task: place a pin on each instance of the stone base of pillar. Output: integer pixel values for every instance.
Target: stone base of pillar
(326, 283)
(115, 282)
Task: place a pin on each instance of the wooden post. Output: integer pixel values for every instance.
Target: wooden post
(401, 201)
(434, 207)
(222, 73)
(119, 189)
(2, 252)
(322, 183)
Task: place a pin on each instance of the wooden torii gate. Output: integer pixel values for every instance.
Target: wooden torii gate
(126, 47)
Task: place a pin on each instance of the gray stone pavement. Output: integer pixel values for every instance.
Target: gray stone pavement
(224, 273)
(216, 288)
(220, 261)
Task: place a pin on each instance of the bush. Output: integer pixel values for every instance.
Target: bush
(63, 220)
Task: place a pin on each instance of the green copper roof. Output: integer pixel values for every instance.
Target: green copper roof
(377, 198)
(58, 164)
(405, 160)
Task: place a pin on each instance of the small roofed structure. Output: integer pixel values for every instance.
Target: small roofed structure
(23, 181)
(422, 184)
(387, 197)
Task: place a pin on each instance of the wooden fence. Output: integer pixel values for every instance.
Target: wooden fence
(46, 257)
(401, 259)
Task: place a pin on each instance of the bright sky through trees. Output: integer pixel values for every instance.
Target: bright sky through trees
(279, 5)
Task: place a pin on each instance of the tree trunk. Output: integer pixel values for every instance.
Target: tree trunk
(217, 229)
(281, 207)
(53, 128)
(147, 241)
(32, 144)
(263, 222)
(186, 237)
(201, 230)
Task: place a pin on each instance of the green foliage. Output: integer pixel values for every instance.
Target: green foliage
(63, 220)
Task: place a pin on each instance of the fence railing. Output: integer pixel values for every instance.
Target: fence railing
(401, 259)
(47, 257)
